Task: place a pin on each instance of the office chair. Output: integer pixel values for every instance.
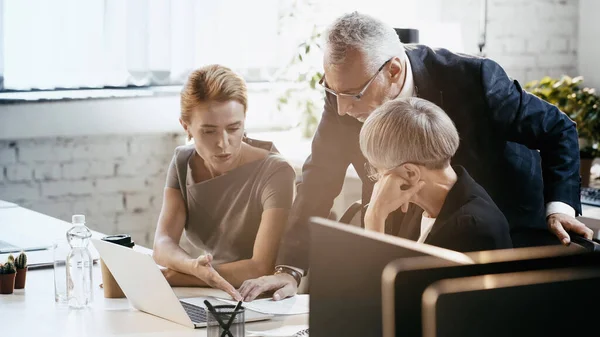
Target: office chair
(353, 214)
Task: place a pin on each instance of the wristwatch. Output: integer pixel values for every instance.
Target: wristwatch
(287, 270)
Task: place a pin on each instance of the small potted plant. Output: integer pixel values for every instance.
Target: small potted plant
(21, 265)
(7, 278)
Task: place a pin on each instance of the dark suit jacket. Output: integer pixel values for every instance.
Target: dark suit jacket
(501, 128)
(468, 221)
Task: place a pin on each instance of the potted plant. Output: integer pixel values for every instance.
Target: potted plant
(21, 266)
(7, 278)
(582, 105)
(303, 72)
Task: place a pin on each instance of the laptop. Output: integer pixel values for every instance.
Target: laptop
(137, 272)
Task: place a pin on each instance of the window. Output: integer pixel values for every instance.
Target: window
(115, 43)
(66, 44)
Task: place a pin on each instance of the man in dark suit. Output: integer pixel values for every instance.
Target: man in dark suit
(520, 149)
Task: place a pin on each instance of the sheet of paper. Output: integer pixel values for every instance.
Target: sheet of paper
(290, 306)
(284, 331)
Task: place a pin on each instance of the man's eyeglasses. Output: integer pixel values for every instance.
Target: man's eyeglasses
(374, 176)
(355, 97)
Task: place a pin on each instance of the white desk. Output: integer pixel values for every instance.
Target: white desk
(33, 312)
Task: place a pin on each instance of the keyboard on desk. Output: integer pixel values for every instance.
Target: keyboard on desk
(197, 314)
(590, 196)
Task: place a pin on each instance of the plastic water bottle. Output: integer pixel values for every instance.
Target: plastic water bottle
(79, 264)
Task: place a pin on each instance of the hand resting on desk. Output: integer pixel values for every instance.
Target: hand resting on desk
(283, 284)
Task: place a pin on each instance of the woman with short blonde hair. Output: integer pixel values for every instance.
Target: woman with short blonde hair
(227, 197)
(409, 144)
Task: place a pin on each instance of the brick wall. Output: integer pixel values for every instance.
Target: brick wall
(529, 38)
(116, 181)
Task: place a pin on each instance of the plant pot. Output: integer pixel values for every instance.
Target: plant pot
(20, 278)
(585, 170)
(7, 283)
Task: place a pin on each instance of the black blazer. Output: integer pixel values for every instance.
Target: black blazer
(468, 221)
(501, 128)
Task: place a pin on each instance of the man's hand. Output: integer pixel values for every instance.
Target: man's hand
(284, 284)
(559, 224)
(204, 271)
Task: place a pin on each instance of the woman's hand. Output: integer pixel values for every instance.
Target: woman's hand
(205, 271)
(387, 197)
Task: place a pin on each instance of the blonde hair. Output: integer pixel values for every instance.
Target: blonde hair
(409, 130)
(212, 83)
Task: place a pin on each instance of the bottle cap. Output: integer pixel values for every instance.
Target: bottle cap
(78, 218)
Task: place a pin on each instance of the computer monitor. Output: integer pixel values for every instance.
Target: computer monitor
(556, 302)
(346, 263)
(405, 279)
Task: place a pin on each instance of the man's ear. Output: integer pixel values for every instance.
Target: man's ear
(411, 173)
(395, 69)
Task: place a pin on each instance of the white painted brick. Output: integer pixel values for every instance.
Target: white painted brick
(99, 204)
(568, 9)
(142, 238)
(53, 208)
(19, 173)
(535, 74)
(567, 28)
(8, 156)
(556, 60)
(136, 222)
(84, 170)
(101, 151)
(19, 192)
(154, 144)
(137, 202)
(110, 203)
(515, 45)
(103, 223)
(515, 62)
(112, 185)
(67, 188)
(47, 172)
(45, 153)
(152, 165)
(516, 74)
(559, 45)
(537, 44)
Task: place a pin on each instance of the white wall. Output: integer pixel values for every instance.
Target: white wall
(589, 42)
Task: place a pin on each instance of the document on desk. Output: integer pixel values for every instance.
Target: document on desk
(290, 306)
(284, 331)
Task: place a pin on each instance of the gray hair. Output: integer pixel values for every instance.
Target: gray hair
(409, 130)
(374, 39)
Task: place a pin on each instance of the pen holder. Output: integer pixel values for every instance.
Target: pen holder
(111, 288)
(216, 325)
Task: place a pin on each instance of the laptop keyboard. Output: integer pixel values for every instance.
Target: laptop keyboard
(197, 314)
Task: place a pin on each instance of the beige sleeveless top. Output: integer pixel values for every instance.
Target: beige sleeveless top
(224, 213)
